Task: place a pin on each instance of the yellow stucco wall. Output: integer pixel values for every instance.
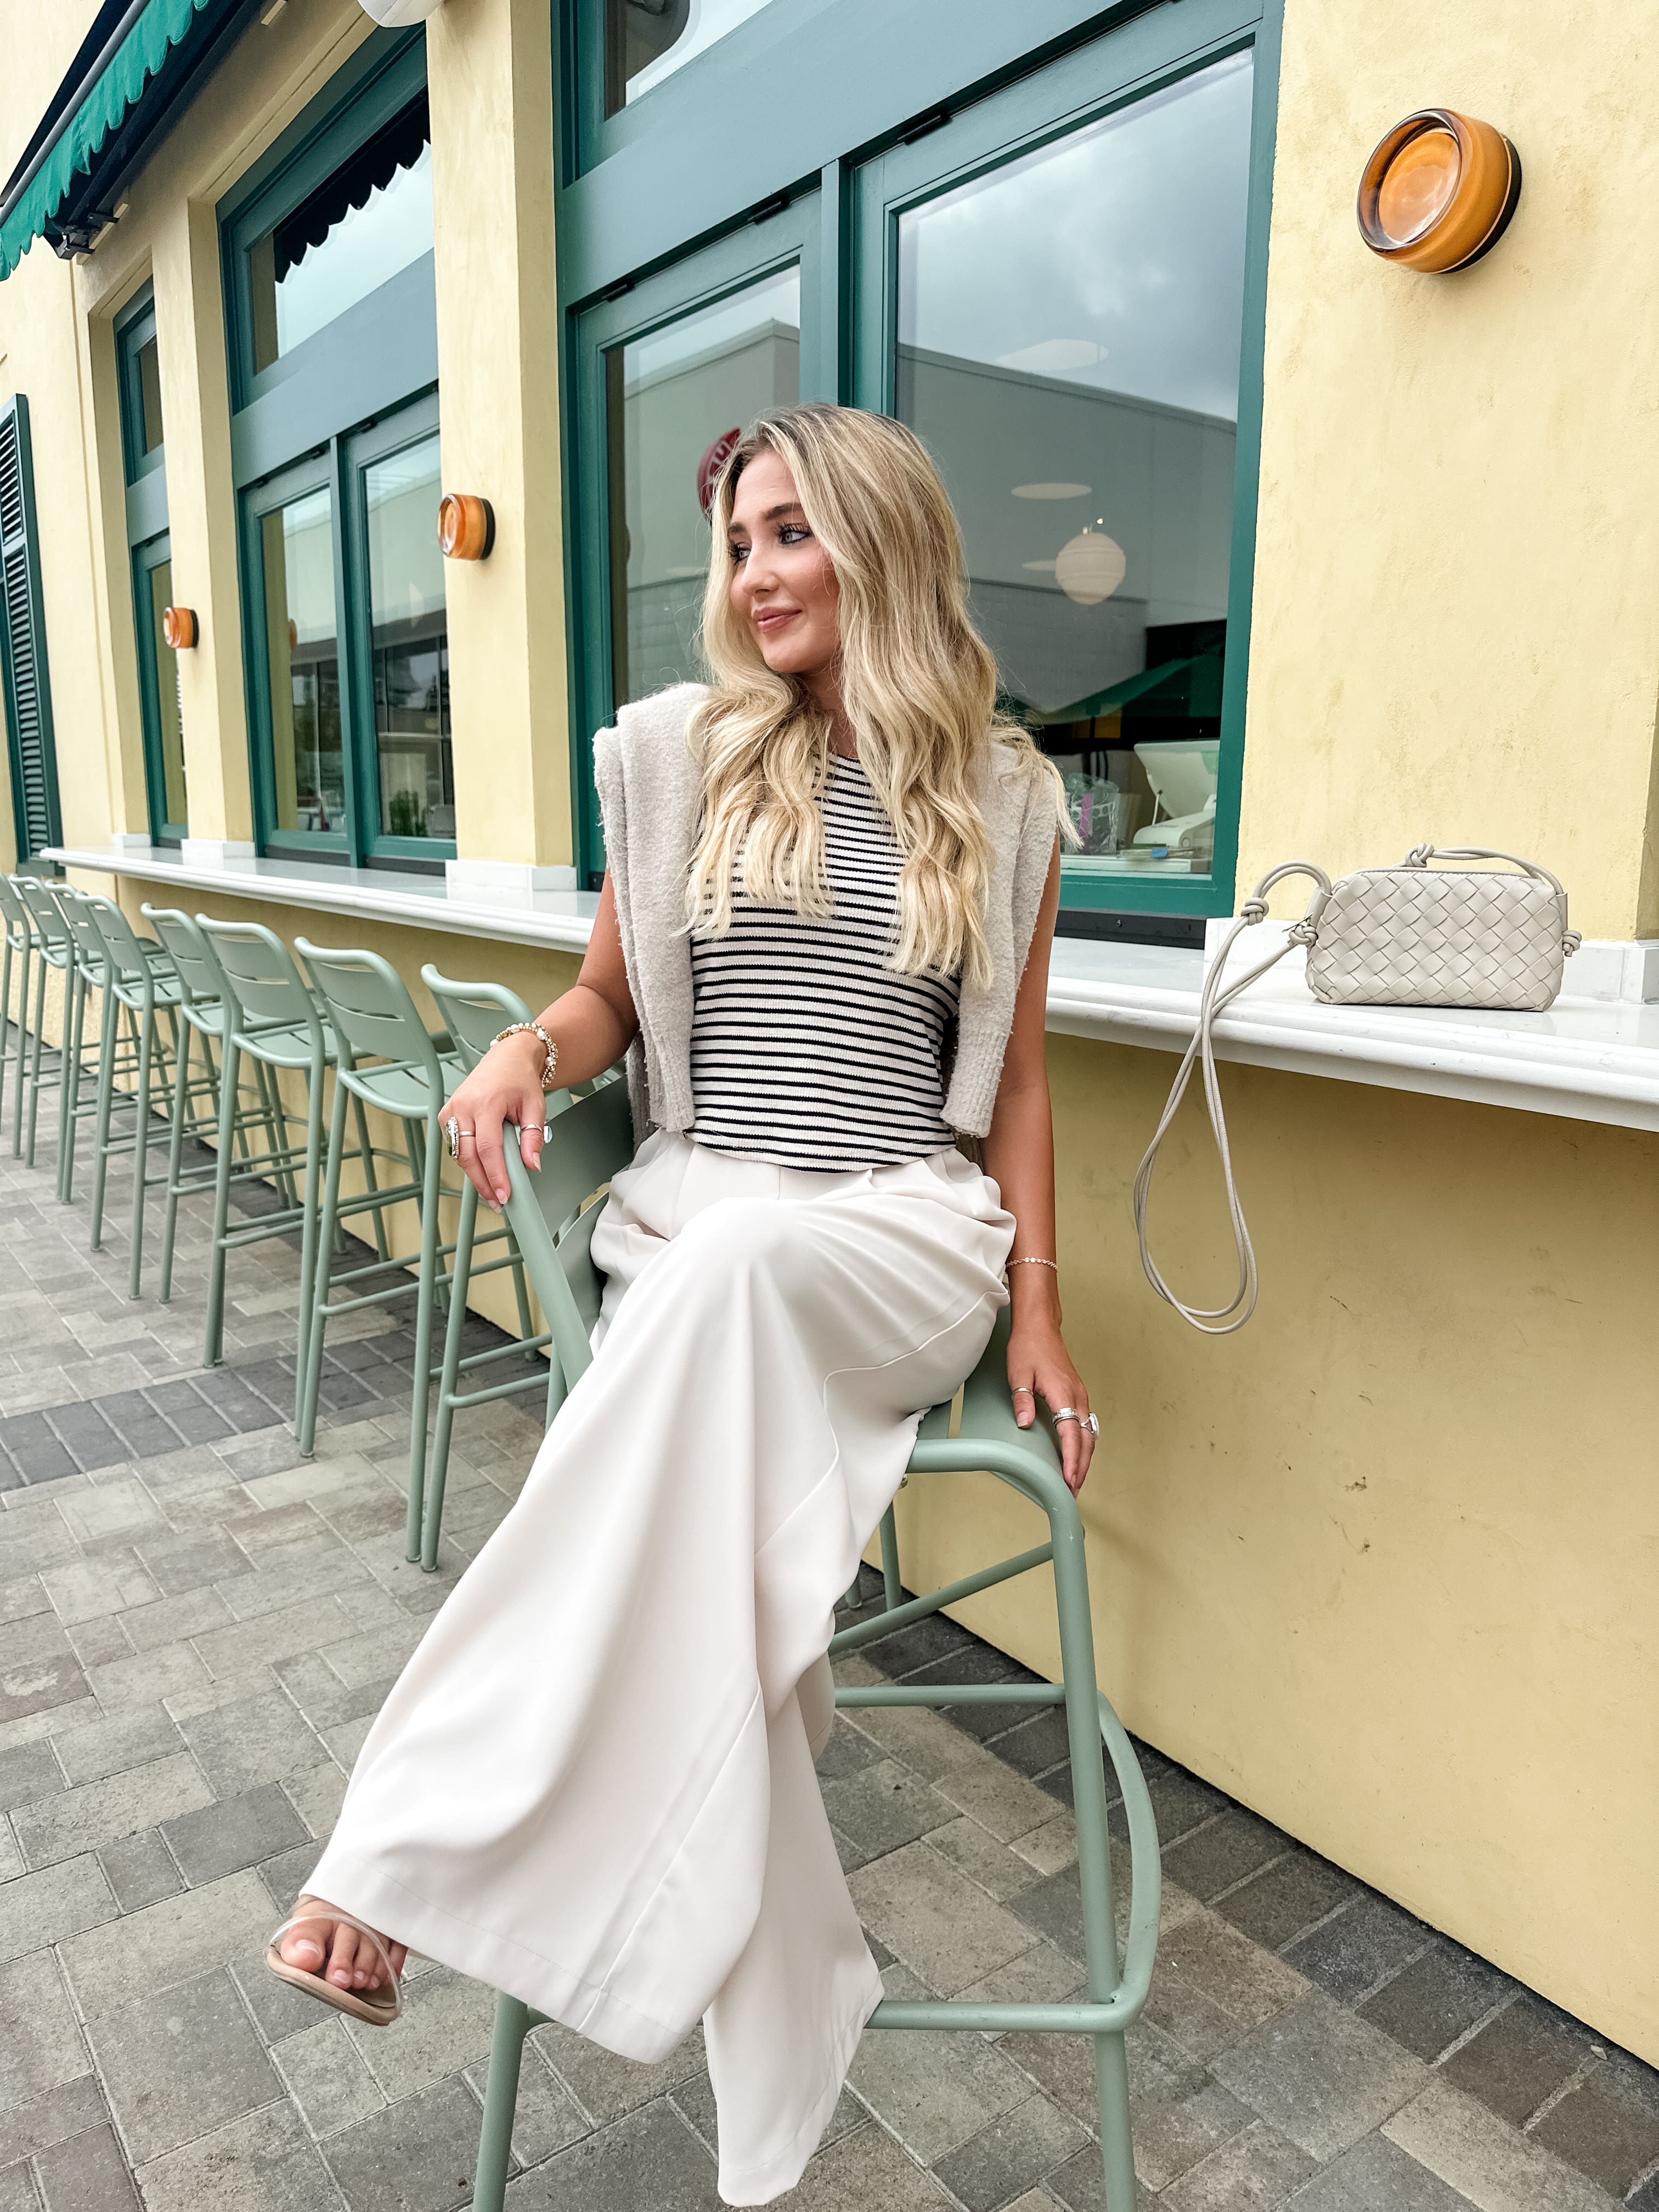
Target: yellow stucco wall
(1455, 631)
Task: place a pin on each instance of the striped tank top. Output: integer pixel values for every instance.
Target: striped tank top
(807, 1051)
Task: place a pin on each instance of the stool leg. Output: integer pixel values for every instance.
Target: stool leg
(438, 1465)
(366, 1152)
(430, 1153)
(175, 1153)
(308, 1256)
(69, 1084)
(141, 1147)
(892, 1587)
(34, 1065)
(213, 1349)
(24, 958)
(1094, 1848)
(304, 1433)
(501, 2099)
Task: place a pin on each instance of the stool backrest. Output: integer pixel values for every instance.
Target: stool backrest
(553, 1213)
(16, 920)
(265, 990)
(52, 926)
(133, 972)
(370, 1006)
(200, 978)
(473, 1012)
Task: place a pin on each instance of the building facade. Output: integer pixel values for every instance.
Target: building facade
(1285, 552)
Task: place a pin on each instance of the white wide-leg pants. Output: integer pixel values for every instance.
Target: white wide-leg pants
(592, 1786)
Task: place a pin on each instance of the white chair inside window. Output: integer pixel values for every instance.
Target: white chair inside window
(1182, 775)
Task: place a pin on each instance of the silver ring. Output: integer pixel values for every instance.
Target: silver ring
(1067, 1413)
(452, 1137)
(1021, 1390)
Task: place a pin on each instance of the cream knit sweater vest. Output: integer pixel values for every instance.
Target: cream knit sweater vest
(650, 794)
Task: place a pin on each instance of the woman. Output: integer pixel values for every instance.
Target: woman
(823, 942)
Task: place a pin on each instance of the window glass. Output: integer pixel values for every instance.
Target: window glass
(1069, 330)
(674, 399)
(303, 659)
(148, 425)
(169, 721)
(371, 218)
(410, 643)
(646, 40)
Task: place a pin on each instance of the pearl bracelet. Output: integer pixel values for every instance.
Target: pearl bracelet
(548, 1047)
(1033, 1261)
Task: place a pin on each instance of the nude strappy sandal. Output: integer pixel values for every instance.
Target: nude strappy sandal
(378, 2008)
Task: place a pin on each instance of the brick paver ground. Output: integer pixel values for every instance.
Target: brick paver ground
(196, 1628)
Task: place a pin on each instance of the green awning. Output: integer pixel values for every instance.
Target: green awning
(101, 110)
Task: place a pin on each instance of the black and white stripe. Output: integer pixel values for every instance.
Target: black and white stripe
(807, 1051)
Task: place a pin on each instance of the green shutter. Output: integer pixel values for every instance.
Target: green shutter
(23, 643)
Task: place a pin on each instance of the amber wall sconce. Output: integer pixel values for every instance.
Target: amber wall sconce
(466, 526)
(179, 628)
(1438, 192)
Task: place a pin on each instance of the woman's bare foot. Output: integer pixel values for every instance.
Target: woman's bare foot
(353, 1961)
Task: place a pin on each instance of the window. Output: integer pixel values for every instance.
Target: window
(668, 374)
(24, 680)
(647, 41)
(158, 688)
(1078, 383)
(1053, 266)
(362, 225)
(329, 283)
(150, 551)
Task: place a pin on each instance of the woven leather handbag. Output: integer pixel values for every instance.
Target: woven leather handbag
(1410, 936)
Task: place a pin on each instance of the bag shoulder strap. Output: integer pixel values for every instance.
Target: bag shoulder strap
(1214, 1000)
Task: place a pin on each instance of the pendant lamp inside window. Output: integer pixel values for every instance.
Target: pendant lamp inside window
(1090, 567)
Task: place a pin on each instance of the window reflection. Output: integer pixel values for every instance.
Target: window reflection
(303, 657)
(169, 719)
(149, 399)
(672, 400)
(371, 218)
(1069, 331)
(647, 41)
(410, 645)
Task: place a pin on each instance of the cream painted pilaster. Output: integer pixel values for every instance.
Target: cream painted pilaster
(489, 68)
(118, 651)
(202, 510)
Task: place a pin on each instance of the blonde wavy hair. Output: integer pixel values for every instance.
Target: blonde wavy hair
(918, 684)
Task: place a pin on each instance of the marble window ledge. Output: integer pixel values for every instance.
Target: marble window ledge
(1590, 1058)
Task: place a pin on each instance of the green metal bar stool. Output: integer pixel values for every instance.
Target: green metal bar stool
(277, 1022)
(19, 949)
(553, 1215)
(53, 951)
(473, 1014)
(117, 1032)
(385, 1058)
(142, 980)
(204, 1005)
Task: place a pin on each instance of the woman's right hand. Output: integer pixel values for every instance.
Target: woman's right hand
(505, 1087)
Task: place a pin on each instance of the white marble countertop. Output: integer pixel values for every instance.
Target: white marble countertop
(1593, 1059)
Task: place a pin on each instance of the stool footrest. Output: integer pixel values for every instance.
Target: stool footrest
(918, 1608)
(1110, 2017)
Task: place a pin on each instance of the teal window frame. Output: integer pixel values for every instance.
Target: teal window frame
(790, 239)
(146, 556)
(649, 196)
(148, 545)
(305, 417)
(135, 327)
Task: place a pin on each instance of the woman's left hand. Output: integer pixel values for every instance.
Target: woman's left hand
(1039, 1362)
